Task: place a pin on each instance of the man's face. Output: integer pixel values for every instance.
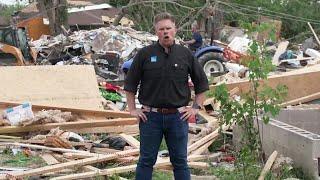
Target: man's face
(166, 31)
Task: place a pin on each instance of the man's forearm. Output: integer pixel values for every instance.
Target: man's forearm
(131, 100)
(199, 98)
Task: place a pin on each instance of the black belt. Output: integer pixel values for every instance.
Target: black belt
(163, 110)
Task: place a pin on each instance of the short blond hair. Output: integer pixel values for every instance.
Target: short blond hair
(163, 16)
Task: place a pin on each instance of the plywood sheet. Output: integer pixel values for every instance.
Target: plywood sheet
(73, 86)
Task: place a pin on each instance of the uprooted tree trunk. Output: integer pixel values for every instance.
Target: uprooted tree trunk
(56, 10)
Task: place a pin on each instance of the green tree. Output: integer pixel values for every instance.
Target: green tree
(7, 11)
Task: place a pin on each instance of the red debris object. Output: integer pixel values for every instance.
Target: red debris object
(228, 158)
(110, 87)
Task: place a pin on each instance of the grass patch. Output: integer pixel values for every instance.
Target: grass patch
(157, 175)
(21, 160)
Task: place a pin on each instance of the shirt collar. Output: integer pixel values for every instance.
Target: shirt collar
(170, 47)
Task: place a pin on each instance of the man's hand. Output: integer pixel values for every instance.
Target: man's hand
(138, 113)
(188, 112)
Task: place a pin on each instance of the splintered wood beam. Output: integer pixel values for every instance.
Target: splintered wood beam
(71, 164)
(68, 125)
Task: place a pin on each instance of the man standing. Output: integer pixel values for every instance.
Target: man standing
(162, 69)
(196, 41)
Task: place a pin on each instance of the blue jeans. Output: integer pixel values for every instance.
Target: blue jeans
(175, 131)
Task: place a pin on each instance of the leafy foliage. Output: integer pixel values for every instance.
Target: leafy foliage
(292, 13)
(7, 11)
(258, 102)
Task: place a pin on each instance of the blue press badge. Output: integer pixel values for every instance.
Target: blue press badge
(153, 59)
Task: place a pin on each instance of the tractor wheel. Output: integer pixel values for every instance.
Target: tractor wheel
(212, 64)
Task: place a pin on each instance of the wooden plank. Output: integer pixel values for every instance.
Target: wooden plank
(71, 86)
(86, 114)
(68, 125)
(199, 165)
(203, 148)
(314, 33)
(117, 170)
(128, 129)
(47, 148)
(205, 139)
(49, 159)
(131, 140)
(104, 150)
(268, 165)
(280, 50)
(304, 99)
(298, 82)
(10, 137)
(90, 168)
(71, 164)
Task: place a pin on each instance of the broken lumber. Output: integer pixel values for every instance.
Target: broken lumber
(49, 159)
(268, 165)
(47, 148)
(205, 139)
(111, 171)
(314, 33)
(199, 165)
(203, 148)
(68, 125)
(128, 129)
(76, 163)
(304, 99)
(131, 140)
(82, 113)
(298, 82)
(280, 50)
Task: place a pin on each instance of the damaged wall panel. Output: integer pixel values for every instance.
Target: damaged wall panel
(62, 86)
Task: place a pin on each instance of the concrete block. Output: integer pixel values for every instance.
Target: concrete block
(301, 145)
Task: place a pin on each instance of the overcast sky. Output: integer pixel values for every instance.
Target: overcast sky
(11, 2)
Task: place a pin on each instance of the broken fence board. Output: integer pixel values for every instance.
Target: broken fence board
(68, 125)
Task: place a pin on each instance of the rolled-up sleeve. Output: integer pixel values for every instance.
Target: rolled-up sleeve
(198, 77)
(134, 74)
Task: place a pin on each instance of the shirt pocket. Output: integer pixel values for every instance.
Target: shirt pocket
(180, 71)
